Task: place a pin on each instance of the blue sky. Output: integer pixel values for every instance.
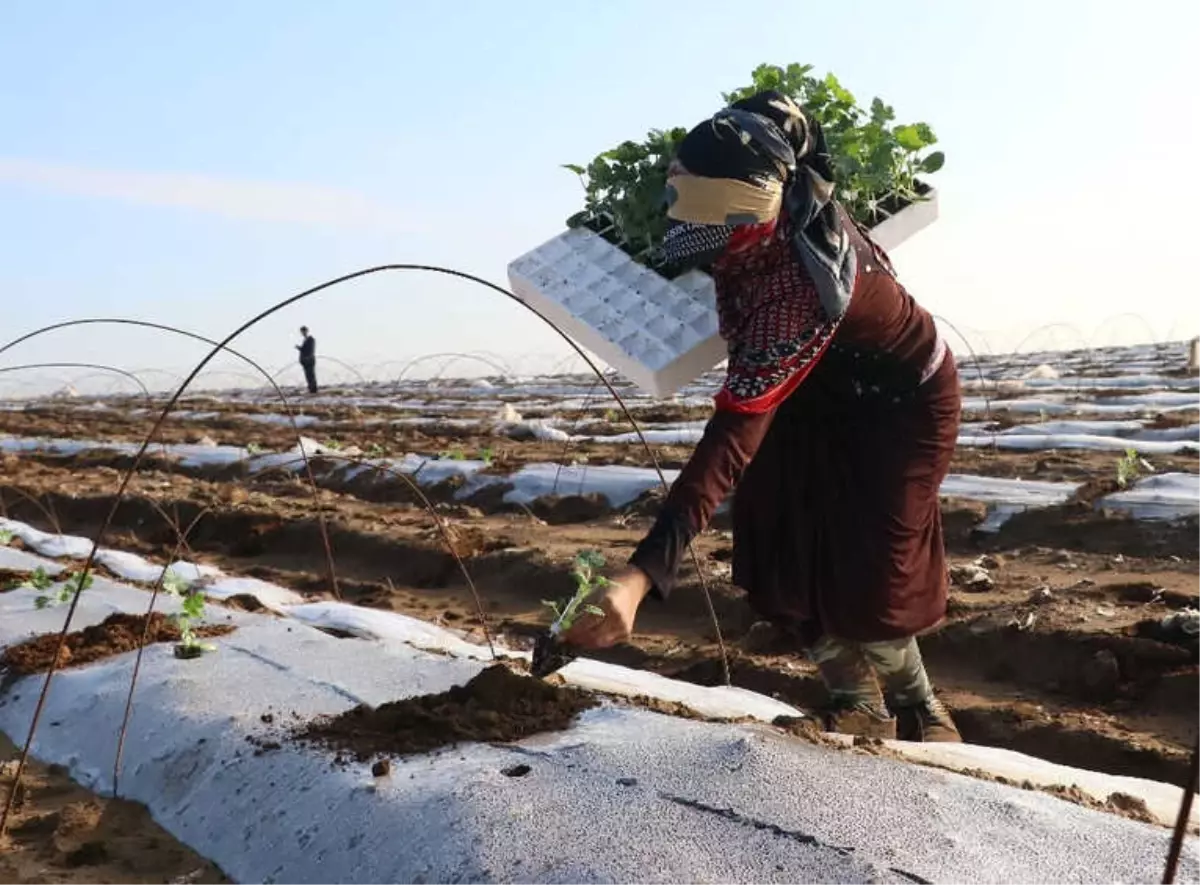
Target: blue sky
(192, 163)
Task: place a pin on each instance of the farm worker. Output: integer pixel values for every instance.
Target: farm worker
(837, 421)
(308, 358)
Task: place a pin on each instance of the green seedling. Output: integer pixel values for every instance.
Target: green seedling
(37, 580)
(173, 583)
(6, 537)
(876, 161)
(333, 445)
(191, 611)
(253, 449)
(1130, 467)
(452, 455)
(375, 450)
(586, 582)
(71, 584)
(486, 456)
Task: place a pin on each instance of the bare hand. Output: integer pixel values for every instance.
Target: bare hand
(619, 602)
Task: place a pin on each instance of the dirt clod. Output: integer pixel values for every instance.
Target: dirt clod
(246, 602)
(1102, 674)
(972, 577)
(88, 854)
(1130, 806)
(498, 705)
(1042, 596)
(115, 635)
(382, 767)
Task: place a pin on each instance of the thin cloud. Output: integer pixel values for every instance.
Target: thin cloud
(234, 198)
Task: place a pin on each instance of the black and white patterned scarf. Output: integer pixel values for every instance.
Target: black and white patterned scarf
(768, 134)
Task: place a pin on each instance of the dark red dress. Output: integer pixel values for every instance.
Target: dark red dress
(838, 436)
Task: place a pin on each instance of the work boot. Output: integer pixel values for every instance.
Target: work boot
(926, 722)
(861, 720)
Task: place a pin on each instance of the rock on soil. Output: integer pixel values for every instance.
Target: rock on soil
(115, 635)
(498, 705)
(971, 577)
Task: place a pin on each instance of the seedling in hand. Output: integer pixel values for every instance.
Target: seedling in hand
(549, 654)
(586, 581)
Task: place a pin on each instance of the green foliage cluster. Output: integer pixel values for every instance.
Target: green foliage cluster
(877, 161)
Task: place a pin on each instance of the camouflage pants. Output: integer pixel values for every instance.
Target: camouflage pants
(853, 671)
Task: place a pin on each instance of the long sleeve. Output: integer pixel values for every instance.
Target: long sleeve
(729, 443)
(777, 331)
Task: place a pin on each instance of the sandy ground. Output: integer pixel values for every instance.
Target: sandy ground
(61, 832)
(1062, 656)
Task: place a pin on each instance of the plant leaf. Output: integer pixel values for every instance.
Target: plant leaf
(909, 137)
(933, 162)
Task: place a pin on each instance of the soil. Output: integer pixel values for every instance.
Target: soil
(10, 579)
(497, 706)
(61, 832)
(1063, 657)
(116, 634)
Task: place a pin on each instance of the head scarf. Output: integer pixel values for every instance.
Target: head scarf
(729, 172)
(757, 147)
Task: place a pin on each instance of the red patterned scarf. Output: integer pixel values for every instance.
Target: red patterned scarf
(771, 317)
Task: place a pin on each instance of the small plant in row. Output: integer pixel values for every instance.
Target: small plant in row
(190, 613)
(1130, 467)
(41, 581)
(6, 537)
(485, 455)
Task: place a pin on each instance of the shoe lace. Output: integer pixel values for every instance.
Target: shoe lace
(935, 708)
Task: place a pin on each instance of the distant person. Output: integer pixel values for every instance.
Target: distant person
(837, 422)
(308, 358)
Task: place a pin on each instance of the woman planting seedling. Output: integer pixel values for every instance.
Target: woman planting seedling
(836, 421)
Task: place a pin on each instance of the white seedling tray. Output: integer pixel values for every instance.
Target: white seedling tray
(658, 333)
